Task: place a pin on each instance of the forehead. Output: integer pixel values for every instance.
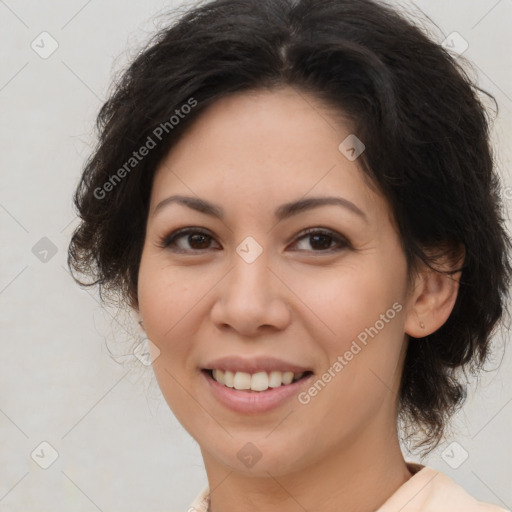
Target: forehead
(265, 148)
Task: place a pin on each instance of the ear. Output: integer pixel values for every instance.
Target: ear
(137, 317)
(434, 294)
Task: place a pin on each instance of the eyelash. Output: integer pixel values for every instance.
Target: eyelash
(167, 241)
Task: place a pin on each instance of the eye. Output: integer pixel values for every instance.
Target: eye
(196, 240)
(322, 239)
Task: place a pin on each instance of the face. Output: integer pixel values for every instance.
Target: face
(251, 287)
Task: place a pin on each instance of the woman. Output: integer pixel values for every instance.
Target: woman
(298, 200)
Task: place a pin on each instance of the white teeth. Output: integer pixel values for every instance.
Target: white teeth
(241, 380)
(287, 377)
(275, 380)
(228, 379)
(260, 381)
(218, 376)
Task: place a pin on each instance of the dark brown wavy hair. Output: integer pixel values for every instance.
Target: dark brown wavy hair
(427, 150)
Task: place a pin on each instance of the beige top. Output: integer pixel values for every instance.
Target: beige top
(427, 490)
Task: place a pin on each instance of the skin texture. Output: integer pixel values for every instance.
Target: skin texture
(250, 153)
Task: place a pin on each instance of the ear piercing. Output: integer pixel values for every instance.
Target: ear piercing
(141, 323)
(422, 325)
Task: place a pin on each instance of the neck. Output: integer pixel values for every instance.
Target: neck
(351, 478)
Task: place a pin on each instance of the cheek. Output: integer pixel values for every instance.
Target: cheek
(358, 309)
(345, 301)
(165, 297)
(165, 304)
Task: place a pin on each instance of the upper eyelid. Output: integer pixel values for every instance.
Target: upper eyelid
(178, 233)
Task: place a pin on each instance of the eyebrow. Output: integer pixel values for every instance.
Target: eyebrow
(283, 212)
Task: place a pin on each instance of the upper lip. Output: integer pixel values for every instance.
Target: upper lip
(253, 365)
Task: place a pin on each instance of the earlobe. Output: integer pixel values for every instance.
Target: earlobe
(138, 318)
(432, 302)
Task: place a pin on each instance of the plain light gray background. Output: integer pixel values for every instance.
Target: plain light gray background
(119, 447)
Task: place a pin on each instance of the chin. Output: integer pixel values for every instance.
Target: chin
(255, 455)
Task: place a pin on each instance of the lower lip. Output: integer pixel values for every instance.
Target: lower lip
(253, 401)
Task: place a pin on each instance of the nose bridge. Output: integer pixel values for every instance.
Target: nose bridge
(251, 278)
(250, 295)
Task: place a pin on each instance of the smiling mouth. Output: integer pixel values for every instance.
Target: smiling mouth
(259, 381)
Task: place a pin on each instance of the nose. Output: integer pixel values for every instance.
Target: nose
(251, 299)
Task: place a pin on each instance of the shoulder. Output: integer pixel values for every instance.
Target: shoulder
(429, 490)
(201, 502)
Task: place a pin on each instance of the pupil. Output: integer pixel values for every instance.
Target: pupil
(321, 246)
(317, 241)
(199, 237)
